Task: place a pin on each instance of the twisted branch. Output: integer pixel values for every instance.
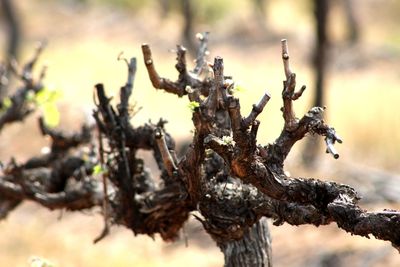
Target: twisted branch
(225, 174)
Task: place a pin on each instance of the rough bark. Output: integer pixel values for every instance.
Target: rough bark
(254, 249)
(229, 180)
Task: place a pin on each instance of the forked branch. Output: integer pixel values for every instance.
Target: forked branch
(225, 174)
(17, 106)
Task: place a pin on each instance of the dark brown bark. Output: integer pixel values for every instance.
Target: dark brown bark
(232, 182)
(254, 249)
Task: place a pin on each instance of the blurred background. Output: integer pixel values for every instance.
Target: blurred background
(349, 49)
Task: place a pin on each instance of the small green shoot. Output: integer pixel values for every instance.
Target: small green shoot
(46, 100)
(51, 114)
(47, 95)
(238, 89)
(193, 105)
(99, 169)
(6, 103)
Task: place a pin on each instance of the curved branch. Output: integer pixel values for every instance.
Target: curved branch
(156, 80)
(222, 206)
(185, 79)
(86, 196)
(61, 142)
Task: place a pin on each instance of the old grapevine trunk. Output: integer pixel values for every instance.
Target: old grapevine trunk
(228, 181)
(254, 249)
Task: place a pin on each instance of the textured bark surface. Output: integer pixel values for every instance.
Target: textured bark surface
(227, 180)
(254, 249)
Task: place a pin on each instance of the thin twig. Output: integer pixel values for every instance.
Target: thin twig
(156, 80)
(201, 53)
(165, 154)
(285, 58)
(256, 110)
(106, 228)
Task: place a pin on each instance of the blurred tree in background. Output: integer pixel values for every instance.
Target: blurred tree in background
(10, 18)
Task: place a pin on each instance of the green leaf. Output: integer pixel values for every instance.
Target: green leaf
(47, 95)
(6, 103)
(193, 105)
(238, 88)
(46, 99)
(99, 169)
(51, 114)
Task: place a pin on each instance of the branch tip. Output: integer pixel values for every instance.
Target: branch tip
(285, 58)
(199, 36)
(299, 93)
(167, 158)
(256, 110)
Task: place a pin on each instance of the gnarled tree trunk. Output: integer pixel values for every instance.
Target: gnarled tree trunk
(253, 250)
(228, 181)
